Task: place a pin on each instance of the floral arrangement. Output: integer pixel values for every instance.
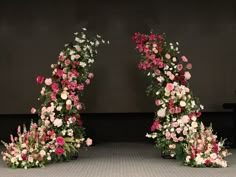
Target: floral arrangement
(59, 132)
(176, 119)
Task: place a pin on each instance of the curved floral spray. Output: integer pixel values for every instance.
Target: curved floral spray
(59, 133)
(176, 128)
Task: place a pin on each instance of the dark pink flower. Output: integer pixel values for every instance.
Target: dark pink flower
(33, 110)
(189, 66)
(184, 59)
(60, 141)
(59, 151)
(87, 81)
(80, 87)
(40, 79)
(179, 67)
(60, 72)
(54, 87)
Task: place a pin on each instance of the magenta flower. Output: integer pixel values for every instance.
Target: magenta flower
(60, 141)
(59, 151)
(40, 79)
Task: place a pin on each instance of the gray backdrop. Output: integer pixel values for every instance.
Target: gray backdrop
(32, 33)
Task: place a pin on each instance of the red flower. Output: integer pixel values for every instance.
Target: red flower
(207, 162)
(40, 79)
(59, 151)
(55, 87)
(154, 125)
(24, 157)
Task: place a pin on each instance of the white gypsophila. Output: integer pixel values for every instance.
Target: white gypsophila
(171, 44)
(193, 104)
(153, 74)
(172, 129)
(83, 36)
(160, 79)
(148, 135)
(98, 36)
(72, 52)
(84, 29)
(148, 74)
(76, 33)
(97, 43)
(201, 106)
(154, 135)
(177, 43)
(166, 67)
(157, 93)
(79, 40)
(83, 64)
(91, 61)
(92, 43)
(172, 47)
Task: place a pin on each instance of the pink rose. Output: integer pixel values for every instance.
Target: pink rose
(53, 96)
(187, 75)
(80, 87)
(61, 57)
(67, 62)
(178, 130)
(167, 134)
(48, 81)
(167, 56)
(89, 142)
(155, 125)
(185, 119)
(189, 66)
(87, 81)
(157, 72)
(177, 110)
(55, 87)
(60, 72)
(33, 110)
(79, 106)
(59, 151)
(91, 75)
(157, 102)
(77, 56)
(169, 87)
(161, 112)
(184, 59)
(172, 110)
(68, 107)
(175, 124)
(60, 141)
(40, 79)
(181, 138)
(179, 67)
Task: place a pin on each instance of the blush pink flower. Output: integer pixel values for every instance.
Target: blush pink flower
(184, 59)
(33, 110)
(89, 142)
(91, 75)
(60, 141)
(157, 72)
(157, 102)
(40, 79)
(167, 56)
(161, 112)
(67, 62)
(187, 75)
(87, 81)
(79, 106)
(168, 135)
(48, 81)
(189, 66)
(62, 57)
(169, 87)
(185, 119)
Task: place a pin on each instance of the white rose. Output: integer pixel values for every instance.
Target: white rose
(199, 160)
(64, 95)
(42, 153)
(58, 108)
(194, 124)
(68, 102)
(182, 103)
(49, 158)
(13, 159)
(194, 118)
(57, 122)
(72, 57)
(24, 151)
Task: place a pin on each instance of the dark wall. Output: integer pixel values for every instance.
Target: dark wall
(32, 33)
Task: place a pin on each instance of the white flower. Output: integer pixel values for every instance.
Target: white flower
(76, 33)
(49, 158)
(201, 106)
(42, 153)
(148, 135)
(57, 122)
(24, 151)
(154, 135)
(78, 145)
(58, 108)
(187, 159)
(83, 64)
(68, 102)
(199, 160)
(13, 159)
(194, 118)
(224, 163)
(182, 103)
(64, 95)
(63, 132)
(91, 61)
(79, 40)
(84, 29)
(213, 155)
(72, 52)
(72, 57)
(194, 124)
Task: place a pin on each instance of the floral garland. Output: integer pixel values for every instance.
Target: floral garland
(59, 133)
(176, 128)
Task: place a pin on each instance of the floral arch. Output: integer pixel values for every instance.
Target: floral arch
(59, 133)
